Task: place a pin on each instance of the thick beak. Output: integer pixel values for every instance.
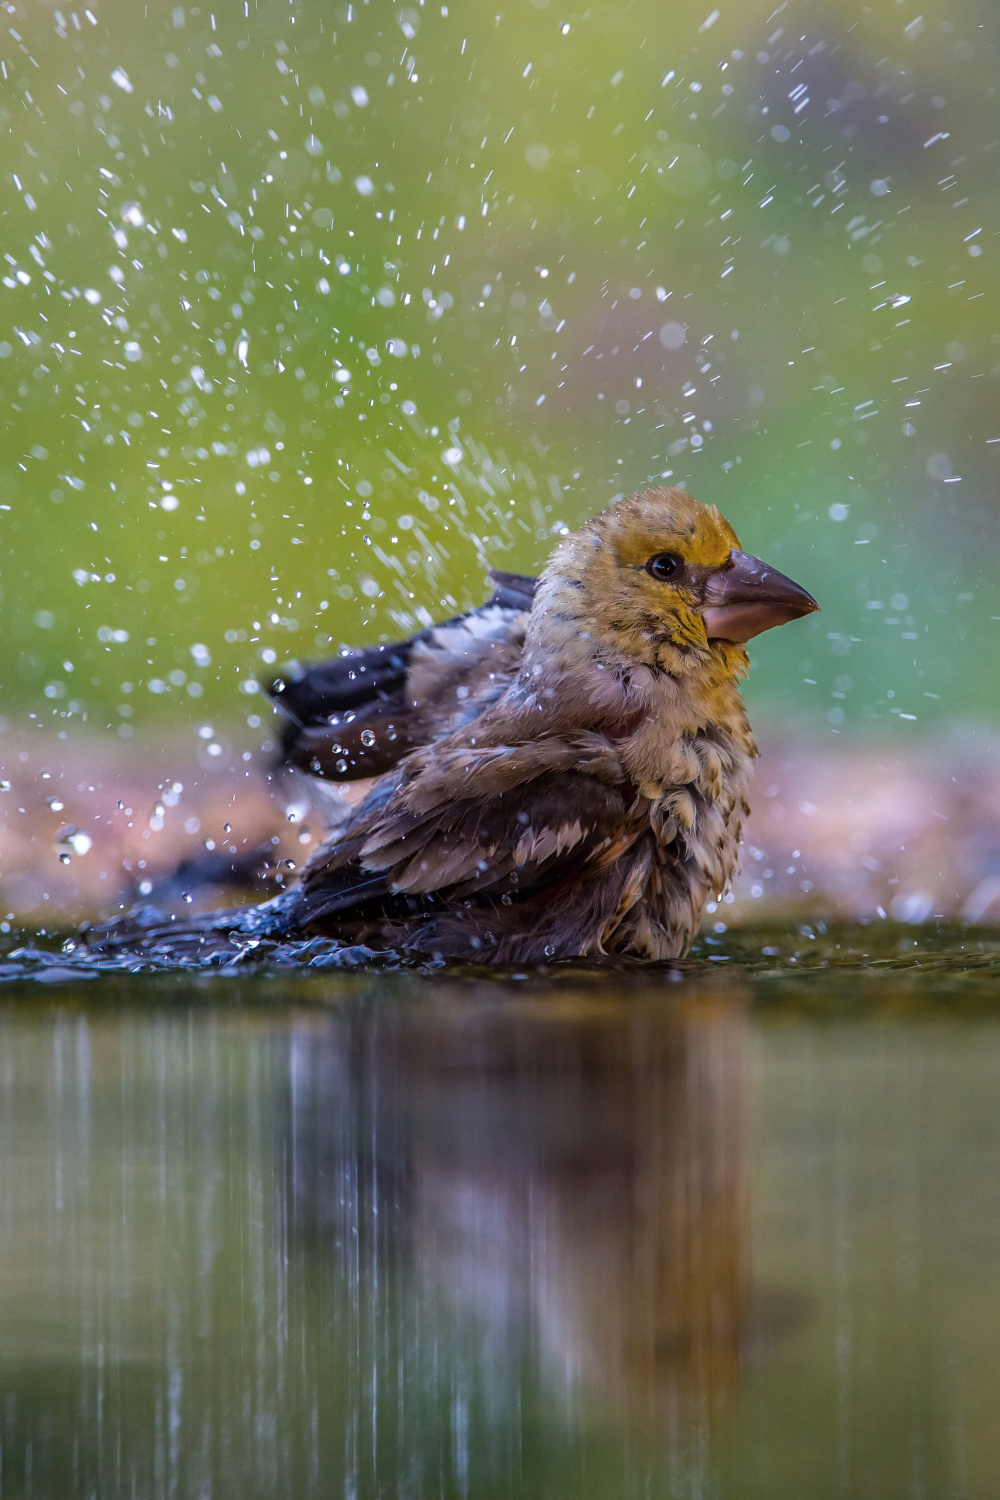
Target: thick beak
(747, 596)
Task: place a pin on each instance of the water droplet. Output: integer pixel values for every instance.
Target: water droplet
(367, 737)
(672, 335)
(55, 804)
(71, 840)
(227, 827)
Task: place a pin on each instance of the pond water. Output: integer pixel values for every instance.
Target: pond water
(577, 1232)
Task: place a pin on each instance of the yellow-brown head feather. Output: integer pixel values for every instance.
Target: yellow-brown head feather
(618, 599)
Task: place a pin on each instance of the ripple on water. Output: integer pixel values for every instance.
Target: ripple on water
(844, 966)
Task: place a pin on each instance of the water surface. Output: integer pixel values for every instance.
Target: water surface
(728, 1233)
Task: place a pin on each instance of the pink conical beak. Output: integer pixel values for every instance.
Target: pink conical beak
(746, 596)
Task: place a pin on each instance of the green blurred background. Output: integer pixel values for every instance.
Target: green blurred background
(311, 309)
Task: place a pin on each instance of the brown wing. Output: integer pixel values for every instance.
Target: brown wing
(519, 850)
(358, 714)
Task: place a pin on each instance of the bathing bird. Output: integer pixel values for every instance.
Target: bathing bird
(586, 799)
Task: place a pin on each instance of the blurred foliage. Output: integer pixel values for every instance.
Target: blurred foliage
(310, 310)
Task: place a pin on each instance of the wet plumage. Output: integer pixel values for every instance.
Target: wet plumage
(359, 713)
(588, 798)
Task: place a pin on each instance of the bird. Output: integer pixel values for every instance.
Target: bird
(585, 802)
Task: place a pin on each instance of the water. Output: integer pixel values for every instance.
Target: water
(553, 1234)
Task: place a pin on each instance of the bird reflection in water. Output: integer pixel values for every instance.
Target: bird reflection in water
(562, 1179)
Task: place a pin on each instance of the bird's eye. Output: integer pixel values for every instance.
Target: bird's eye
(664, 566)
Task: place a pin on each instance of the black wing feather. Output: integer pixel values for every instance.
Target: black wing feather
(511, 590)
(328, 706)
(342, 684)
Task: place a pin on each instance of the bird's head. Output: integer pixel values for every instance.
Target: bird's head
(660, 578)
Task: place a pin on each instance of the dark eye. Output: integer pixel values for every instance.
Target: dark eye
(664, 566)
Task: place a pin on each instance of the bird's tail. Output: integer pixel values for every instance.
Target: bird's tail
(147, 933)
